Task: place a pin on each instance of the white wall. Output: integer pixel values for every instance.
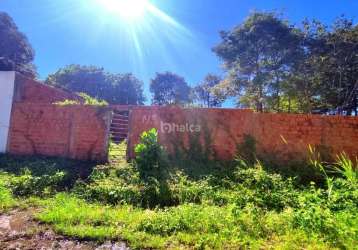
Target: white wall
(7, 80)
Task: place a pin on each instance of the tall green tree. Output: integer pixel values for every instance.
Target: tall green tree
(169, 89)
(205, 93)
(123, 89)
(325, 75)
(127, 88)
(274, 66)
(257, 56)
(338, 67)
(16, 52)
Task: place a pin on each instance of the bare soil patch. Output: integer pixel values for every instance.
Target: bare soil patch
(19, 231)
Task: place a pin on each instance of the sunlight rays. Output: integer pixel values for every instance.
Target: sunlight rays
(144, 33)
(129, 10)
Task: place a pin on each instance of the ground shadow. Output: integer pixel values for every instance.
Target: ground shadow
(42, 165)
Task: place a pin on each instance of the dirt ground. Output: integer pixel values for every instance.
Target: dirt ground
(19, 231)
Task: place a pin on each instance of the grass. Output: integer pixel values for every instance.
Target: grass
(6, 199)
(183, 226)
(243, 207)
(248, 208)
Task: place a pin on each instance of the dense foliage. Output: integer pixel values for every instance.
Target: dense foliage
(16, 52)
(168, 88)
(123, 89)
(149, 153)
(28, 176)
(274, 66)
(205, 94)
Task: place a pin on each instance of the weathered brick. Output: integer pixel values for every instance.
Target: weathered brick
(55, 137)
(227, 127)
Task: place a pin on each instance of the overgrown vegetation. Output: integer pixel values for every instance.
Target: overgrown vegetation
(154, 204)
(87, 100)
(6, 198)
(39, 176)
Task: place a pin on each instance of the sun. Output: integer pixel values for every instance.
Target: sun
(129, 10)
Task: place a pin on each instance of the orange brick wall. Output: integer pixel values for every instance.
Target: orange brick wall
(77, 132)
(81, 132)
(32, 91)
(284, 136)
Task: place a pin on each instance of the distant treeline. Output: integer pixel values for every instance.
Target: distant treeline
(269, 64)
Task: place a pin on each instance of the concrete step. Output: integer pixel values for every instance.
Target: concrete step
(120, 121)
(123, 126)
(121, 116)
(118, 131)
(123, 130)
(121, 112)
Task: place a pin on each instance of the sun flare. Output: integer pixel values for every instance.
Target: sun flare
(141, 28)
(126, 9)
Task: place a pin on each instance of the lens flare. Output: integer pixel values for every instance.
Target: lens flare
(126, 9)
(143, 32)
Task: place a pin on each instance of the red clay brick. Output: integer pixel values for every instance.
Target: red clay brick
(73, 138)
(226, 129)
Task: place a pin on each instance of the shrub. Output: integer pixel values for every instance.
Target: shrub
(39, 166)
(346, 168)
(6, 198)
(257, 186)
(112, 185)
(149, 153)
(188, 191)
(27, 184)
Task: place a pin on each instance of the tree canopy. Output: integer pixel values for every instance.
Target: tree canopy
(257, 55)
(274, 66)
(123, 89)
(16, 52)
(168, 89)
(205, 92)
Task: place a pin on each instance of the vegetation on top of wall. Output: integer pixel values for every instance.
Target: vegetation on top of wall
(87, 100)
(114, 88)
(67, 102)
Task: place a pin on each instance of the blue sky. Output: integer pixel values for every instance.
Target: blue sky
(83, 32)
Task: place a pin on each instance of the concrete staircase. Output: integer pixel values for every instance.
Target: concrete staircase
(119, 126)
